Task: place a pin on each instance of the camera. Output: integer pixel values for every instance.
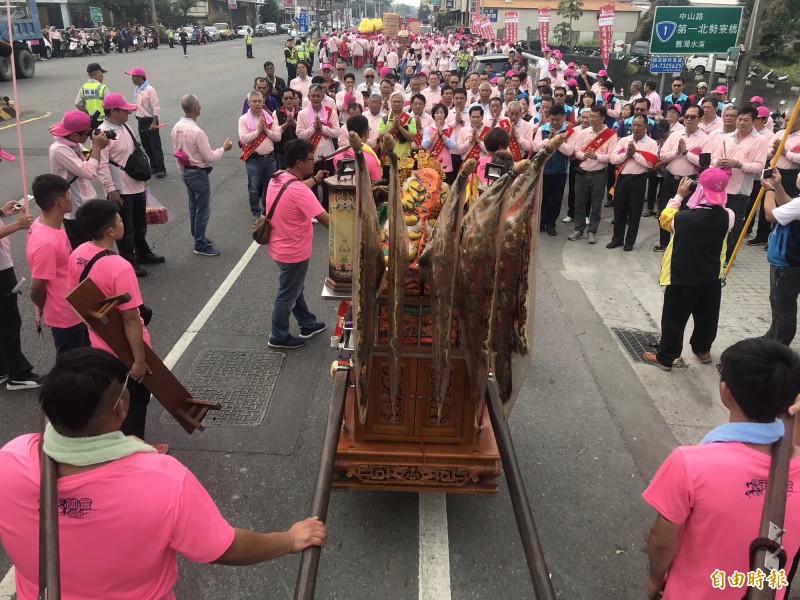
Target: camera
(112, 135)
(96, 120)
(494, 171)
(693, 186)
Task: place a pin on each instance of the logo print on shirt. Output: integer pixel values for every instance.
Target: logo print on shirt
(75, 508)
(757, 487)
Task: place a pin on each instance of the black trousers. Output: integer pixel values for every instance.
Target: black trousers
(701, 302)
(612, 179)
(653, 186)
(249, 48)
(738, 204)
(573, 169)
(134, 423)
(75, 233)
(291, 72)
(784, 286)
(151, 142)
(134, 216)
(628, 203)
(668, 189)
(12, 361)
(552, 197)
(327, 166)
(70, 338)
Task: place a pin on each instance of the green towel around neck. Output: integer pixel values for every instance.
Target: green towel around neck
(84, 451)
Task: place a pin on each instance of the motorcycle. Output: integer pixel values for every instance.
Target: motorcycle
(779, 116)
(769, 76)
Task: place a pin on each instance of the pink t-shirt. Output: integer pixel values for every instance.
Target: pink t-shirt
(292, 231)
(716, 491)
(48, 253)
(113, 275)
(120, 525)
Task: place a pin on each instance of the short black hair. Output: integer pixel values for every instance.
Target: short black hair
(418, 97)
(268, 63)
(674, 79)
(460, 90)
(546, 90)
(699, 110)
(446, 87)
(763, 376)
(72, 390)
(474, 108)
(358, 124)
(496, 139)
(96, 216)
(557, 109)
(297, 150)
(599, 108)
(663, 126)
(749, 110)
(495, 99)
(47, 188)
(640, 100)
(318, 79)
(350, 76)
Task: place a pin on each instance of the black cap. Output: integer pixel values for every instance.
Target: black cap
(95, 67)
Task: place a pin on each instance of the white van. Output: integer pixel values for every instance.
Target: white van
(271, 28)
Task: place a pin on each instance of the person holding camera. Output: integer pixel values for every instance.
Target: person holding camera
(124, 182)
(692, 266)
(67, 160)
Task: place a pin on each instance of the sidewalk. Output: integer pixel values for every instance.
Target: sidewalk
(623, 288)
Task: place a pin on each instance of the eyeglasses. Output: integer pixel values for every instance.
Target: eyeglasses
(690, 117)
(122, 393)
(370, 76)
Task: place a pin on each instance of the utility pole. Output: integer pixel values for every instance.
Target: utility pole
(743, 67)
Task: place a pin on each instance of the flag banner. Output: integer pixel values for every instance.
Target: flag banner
(512, 23)
(544, 25)
(605, 15)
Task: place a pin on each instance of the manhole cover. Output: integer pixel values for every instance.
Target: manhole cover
(242, 380)
(638, 342)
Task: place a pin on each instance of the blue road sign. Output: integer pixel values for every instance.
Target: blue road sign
(303, 22)
(666, 64)
(296, 20)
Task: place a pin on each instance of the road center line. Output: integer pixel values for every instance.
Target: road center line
(7, 585)
(434, 548)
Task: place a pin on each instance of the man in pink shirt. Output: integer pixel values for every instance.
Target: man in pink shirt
(148, 108)
(432, 93)
(709, 498)
(319, 124)
(651, 93)
(122, 188)
(124, 511)
(191, 144)
(290, 242)
(258, 132)
(48, 251)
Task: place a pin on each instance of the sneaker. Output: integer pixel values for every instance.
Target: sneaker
(207, 251)
(307, 332)
(567, 219)
(31, 382)
(575, 235)
(650, 357)
(290, 343)
(756, 242)
(3, 379)
(591, 237)
(704, 357)
(587, 220)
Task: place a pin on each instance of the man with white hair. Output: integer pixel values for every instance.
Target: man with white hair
(369, 86)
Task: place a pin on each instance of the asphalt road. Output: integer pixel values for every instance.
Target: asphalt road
(587, 434)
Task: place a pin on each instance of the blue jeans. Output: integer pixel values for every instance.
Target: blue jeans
(70, 338)
(289, 299)
(260, 170)
(199, 189)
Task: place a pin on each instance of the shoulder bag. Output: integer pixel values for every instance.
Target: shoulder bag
(262, 227)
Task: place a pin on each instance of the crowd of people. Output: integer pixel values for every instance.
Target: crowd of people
(77, 41)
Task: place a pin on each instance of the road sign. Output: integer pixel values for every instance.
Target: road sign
(666, 64)
(296, 20)
(695, 29)
(96, 14)
(304, 22)
(491, 13)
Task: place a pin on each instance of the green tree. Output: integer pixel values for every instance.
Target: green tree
(184, 6)
(777, 32)
(571, 10)
(270, 12)
(424, 13)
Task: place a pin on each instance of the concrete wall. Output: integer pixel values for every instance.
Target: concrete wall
(585, 30)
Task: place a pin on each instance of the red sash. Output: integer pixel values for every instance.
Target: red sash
(317, 136)
(403, 119)
(651, 158)
(513, 144)
(475, 151)
(418, 135)
(248, 149)
(438, 146)
(601, 138)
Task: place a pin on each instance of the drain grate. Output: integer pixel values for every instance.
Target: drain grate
(636, 342)
(242, 380)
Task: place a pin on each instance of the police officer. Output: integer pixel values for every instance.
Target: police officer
(302, 52)
(90, 97)
(290, 56)
(248, 42)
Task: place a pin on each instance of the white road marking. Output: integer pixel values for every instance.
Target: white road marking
(7, 585)
(434, 548)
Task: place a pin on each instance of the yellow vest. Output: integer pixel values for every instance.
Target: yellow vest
(91, 92)
(292, 60)
(248, 39)
(301, 52)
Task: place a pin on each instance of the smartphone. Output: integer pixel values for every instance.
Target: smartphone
(705, 160)
(766, 174)
(18, 205)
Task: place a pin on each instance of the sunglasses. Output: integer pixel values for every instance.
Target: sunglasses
(690, 117)
(369, 76)
(122, 393)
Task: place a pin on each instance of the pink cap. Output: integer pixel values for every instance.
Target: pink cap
(572, 82)
(557, 53)
(758, 99)
(137, 71)
(383, 72)
(602, 73)
(721, 89)
(763, 112)
(117, 101)
(73, 121)
(493, 80)
(569, 73)
(714, 181)
(571, 64)
(510, 73)
(552, 67)
(326, 66)
(545, 49)
(675, 107)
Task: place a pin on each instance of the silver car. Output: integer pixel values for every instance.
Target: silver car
(212, 33)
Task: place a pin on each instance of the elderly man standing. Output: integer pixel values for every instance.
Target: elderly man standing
(194, 155)
(258, 132)
(318, 124)
(293, 205)
(147, 110)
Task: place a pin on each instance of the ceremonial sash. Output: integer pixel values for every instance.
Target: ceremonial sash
(418, 135)
(317, 136)
(438, 146)
(475, 151)
(403, 119)
(652, 160)
(248, 149)
(513, 144)
(601, 138)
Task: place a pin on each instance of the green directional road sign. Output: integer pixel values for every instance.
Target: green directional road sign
(96, 14)
(695, 29)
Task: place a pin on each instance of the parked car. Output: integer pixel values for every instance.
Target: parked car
(286, 27)
(271, 28)
(225, 31)
(212, 33)
(701, 64)
(243, 31)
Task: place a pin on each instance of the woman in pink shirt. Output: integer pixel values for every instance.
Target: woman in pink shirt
(360, 126)
(439, 139)
(710, 497)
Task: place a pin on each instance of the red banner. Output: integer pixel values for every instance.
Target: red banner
(605, 15)
(512, 23)
(544, 25)
(488, 32)
(475, 24)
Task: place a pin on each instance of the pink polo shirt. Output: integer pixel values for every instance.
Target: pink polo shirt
(67, 161)
(113, 275)
(248, 134)
(582, 139)
(120, 525)
(147, 103)
(187, 136)
(751, 151)
(637, 164)
(292, 231)
(684, 165)
(48, 251)
(118, 150)
(791, 157)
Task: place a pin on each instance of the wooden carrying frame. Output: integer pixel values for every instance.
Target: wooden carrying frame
(100, 314)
